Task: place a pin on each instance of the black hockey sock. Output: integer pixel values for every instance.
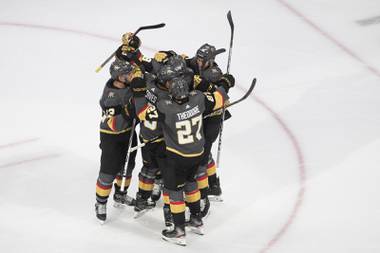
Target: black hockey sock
(212, 180)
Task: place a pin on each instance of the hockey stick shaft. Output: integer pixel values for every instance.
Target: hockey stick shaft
(134, 34)
(124, 175)
(232, 26)
(231, 23)
(249, 91)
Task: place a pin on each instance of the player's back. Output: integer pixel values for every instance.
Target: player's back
(183, 128)
(150, 130)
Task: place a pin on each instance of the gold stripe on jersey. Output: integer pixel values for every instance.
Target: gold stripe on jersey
(193, 196)
(219, 100)
(211, 169)
(114, 132)
(183, 154)
(142, 113)
(111, 123)
(177, 207)
(152, 140)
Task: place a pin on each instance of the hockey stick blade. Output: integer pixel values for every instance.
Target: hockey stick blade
(149, 27)
(229, 17)
(98, 69)
(249, 91)
(232, 26)
(253, 84)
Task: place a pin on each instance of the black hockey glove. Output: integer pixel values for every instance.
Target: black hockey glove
(227, 81)
(138, 87)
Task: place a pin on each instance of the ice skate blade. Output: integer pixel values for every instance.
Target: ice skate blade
(169, 227)
(197, 230)
(101, 222)
(179, 241)
(215, 198)
(207, 215)
(138, 214)
(118, 205)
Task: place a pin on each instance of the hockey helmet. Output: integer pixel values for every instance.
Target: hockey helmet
(179, 89)
(166, 73)
(206, 52)
(119, 68)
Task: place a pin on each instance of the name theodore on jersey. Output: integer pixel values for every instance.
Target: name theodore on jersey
(189, 113)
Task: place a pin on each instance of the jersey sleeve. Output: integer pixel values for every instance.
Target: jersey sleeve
(146, 111)
(215, 100)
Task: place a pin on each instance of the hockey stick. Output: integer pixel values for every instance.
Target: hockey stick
(134, 34)
(124, 175)
(229, 17)
(249, 91)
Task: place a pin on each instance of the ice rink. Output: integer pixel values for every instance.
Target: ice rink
(300, 158)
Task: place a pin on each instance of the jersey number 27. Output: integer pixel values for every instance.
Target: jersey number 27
(184, 130)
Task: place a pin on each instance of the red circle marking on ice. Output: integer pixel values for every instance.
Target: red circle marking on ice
(276, 116)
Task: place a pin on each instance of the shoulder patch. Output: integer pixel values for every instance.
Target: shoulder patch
(209, 97)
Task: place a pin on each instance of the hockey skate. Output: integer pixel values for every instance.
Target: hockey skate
(101, 212)
(205, 207)
(142, 206)
(176, 235)
(169, 223)
(156, 193)
(123, 199)
(195, 224)
(215, 192)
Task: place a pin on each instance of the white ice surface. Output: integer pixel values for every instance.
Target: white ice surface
(299, 160)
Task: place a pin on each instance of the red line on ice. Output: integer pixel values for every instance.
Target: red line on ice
(329, 37)
(39, 158)
(302, 177)
(8, 145)
(293, 139)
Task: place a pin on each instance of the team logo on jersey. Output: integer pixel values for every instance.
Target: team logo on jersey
(146, 59)
(209, 97)
(111, 94)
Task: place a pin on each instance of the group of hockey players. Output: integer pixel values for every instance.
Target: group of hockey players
(177, 101)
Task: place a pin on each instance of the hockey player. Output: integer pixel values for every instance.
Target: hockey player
(181, 116)
(115, 131)
(152, 135)
(153, 153)
(207, 76)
